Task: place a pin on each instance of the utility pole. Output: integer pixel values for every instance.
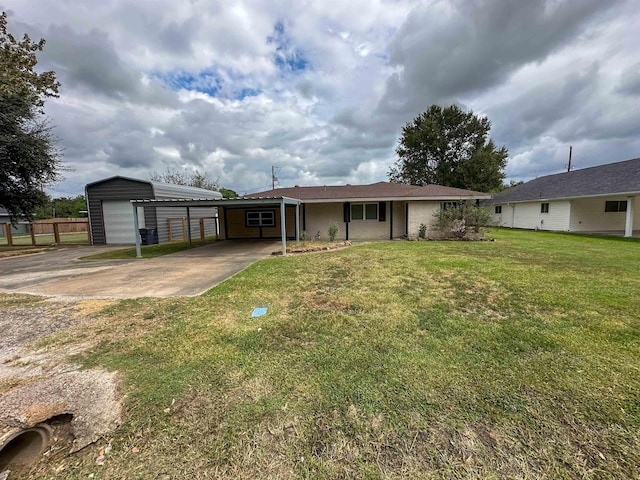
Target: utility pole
(570, 151)
(274, 179)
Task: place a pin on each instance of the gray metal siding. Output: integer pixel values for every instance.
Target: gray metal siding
(115, 189)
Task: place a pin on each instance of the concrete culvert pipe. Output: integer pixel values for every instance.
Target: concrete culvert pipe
(22, 449)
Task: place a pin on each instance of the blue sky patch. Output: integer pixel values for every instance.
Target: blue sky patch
(246, 92)
(287, 57)
(206, 81)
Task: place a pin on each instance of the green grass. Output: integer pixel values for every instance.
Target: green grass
(509, 359)
(149, 251)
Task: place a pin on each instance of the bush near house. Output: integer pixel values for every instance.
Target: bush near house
(459, 220)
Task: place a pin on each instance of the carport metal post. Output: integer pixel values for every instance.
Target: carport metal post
(189, 224)
(283, 227)
(136, 231)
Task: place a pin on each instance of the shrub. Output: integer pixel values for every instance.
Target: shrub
(459, 228)
(422, 231)
(463, 216)
(333, 231)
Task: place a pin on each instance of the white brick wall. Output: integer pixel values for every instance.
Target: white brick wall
(318, 217)
(422, 212)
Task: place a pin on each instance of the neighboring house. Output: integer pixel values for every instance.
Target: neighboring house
(601, 199)
(111, 215)
(363, 212)
(19, 228)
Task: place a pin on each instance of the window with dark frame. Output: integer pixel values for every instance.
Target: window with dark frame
(498, 209)
(615, 206)
(364, 211)
(263, 218)
(544, 208)
(449, 205)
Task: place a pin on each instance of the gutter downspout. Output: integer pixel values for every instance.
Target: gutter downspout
(298, 222)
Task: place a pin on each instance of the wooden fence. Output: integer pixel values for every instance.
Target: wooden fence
(204, 225)
(66, 225)
(47, 232)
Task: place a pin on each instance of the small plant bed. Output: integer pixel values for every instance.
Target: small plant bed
(438, 236)
(309, 247)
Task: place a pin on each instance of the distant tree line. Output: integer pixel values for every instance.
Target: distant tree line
(62, 207)
(191, 178)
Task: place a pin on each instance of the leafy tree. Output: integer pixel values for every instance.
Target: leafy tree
(28, 155)
(448, 146)
(62, 207)
(192, 179)
(511, 184)
(228, 193)
(188, 178)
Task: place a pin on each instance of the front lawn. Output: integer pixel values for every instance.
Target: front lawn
(510, 359)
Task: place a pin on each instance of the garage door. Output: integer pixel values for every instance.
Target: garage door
(118, 221)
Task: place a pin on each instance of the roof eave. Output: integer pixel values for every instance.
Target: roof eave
(577, 197)
(436, 198)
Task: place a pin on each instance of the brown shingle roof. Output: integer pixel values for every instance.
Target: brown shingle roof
(380, 190)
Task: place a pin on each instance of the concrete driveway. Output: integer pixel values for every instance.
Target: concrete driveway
(61, 274)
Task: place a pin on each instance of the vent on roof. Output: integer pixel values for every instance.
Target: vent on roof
(297, 186)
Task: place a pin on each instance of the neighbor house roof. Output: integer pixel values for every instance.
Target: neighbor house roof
(618, 178)
(375, 192)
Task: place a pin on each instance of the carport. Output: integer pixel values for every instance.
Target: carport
(264, 216)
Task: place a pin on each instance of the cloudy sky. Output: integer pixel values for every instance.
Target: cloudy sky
(321, 89)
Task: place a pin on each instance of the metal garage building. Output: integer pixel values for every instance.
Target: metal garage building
(111, 218)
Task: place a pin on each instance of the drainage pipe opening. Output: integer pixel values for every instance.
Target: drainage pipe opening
(22, 449)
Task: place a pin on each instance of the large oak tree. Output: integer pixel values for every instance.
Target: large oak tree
(29, 158)
(449, 146)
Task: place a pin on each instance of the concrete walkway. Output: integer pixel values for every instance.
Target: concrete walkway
(191, 272)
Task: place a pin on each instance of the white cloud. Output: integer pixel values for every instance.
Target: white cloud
(154, 84)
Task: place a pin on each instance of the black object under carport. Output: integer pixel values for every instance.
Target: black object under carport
(148, 236)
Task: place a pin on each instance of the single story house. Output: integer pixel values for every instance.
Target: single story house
(111, 214)
(379, 211)
(19, 228)
(601, 199)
